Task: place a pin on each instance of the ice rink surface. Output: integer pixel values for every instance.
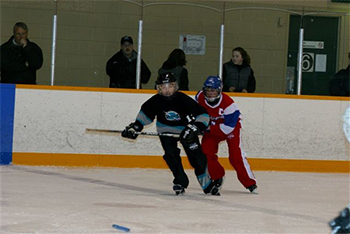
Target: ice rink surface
(91, 200)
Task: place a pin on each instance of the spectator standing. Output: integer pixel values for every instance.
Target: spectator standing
(238, 76)
(121, 67)
(340, 84)
(175, 64)
(20, 58)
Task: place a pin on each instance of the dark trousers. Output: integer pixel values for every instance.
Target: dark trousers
(172, 157)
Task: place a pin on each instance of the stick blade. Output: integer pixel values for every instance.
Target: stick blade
(102, 131)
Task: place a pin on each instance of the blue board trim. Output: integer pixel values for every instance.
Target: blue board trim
(7, 113)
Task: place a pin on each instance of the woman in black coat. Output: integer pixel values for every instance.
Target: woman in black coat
(175, 64)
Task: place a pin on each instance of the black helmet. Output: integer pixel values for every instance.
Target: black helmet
(165, 78)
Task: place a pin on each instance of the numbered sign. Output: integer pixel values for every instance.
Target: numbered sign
(308, 62)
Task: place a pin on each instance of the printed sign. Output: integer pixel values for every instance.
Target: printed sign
(321, 63)
(313, 44)
(308, 62)
(192, 44)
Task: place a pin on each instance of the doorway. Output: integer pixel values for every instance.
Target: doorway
(319, 54)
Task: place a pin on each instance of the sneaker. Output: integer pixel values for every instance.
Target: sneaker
(217, 186)
(178, 189)
(253, 189)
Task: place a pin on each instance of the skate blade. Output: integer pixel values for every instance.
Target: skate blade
(179, 193)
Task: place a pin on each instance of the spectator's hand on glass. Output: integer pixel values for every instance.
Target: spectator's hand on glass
(244, 91)
(231, 89)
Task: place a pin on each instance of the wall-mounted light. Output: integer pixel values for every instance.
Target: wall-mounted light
(280, 22)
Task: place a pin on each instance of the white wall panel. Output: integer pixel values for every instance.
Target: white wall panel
(54, 121)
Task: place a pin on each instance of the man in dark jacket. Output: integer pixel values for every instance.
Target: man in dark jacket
(340, 84)
(20, 58)
(121, 68)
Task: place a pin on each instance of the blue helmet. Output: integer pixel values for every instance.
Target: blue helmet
(212, 82)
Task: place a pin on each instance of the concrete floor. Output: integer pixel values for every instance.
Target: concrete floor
(91, 200)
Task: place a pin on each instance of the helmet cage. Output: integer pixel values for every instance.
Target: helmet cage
(211, 99)
(212, 83)
(159, 88)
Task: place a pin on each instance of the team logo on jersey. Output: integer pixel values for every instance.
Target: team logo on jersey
(172, 116)
(193, 146)
(221, 111)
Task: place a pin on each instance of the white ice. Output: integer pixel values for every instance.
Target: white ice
(91, 200)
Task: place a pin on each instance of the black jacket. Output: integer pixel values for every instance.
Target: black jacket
(179, 72)
(339, 85)
(240, 77)
(122, 71)
(18, 64)
(171, 113)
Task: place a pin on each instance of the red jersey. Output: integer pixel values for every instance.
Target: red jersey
(224, 115)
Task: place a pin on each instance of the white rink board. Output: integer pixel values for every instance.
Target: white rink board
(54, 121)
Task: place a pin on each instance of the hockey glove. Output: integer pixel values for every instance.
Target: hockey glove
(130, 131)
(189, 133)
(341, 224)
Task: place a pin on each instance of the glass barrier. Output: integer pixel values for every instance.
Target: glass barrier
(88, 34)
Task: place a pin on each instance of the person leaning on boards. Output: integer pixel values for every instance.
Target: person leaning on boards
(340, 84)
(175, 64)
(122, 67)
(238, 76)
(20, 57)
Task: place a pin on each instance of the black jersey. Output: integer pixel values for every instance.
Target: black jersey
(171, 113)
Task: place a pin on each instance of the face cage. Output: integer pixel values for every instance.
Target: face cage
(160, 90)
(213, 99)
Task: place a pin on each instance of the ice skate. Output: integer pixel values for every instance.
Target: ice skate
(208, 188)
(253, 189)
(178, 189)
(212, 189)
(217, 186)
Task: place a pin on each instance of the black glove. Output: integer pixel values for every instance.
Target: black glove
(190, 133)
(130, 131)
(341, 224)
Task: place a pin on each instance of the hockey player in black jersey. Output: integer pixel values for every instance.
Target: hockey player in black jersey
(176, 113)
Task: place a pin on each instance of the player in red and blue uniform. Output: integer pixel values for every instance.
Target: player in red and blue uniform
(225, 125)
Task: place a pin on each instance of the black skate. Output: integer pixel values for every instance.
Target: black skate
(217, 187)
(253, 189)
(178, 189)
(212, 189)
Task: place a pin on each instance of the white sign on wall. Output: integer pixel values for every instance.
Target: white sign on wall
(321, 63)
(308, 62)
(313, 44)
(192, 44)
